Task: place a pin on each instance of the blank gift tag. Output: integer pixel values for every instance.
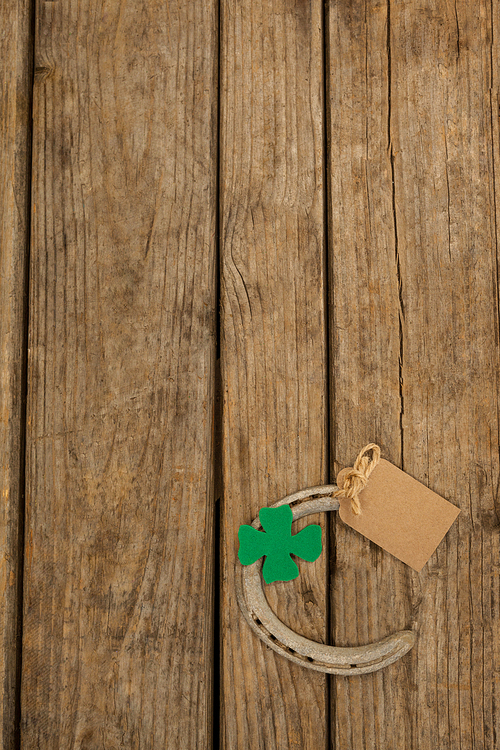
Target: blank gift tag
(400, 514)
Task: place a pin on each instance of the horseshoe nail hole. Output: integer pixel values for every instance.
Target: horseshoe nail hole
(309, 658)
(353, 666)
(272, 637)
(257, 621)
(310, 498)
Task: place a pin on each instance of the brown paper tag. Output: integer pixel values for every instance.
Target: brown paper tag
(400, 514)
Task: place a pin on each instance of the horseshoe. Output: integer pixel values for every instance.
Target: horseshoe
(276, 635)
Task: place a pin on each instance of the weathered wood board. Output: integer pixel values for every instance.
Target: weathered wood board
(446, 232)
(117, 643)
(15, 141)
(414, 122)
(273, 347)
(370, 588)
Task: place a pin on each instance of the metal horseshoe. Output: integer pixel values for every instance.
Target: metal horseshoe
(276, 635)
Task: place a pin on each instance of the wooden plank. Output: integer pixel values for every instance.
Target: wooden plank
(272, 347)
(370, 594)
(16, 60)
(437, 64)
(445, 202)
(119, 569)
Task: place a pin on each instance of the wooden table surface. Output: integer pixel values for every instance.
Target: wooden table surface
(240, 240)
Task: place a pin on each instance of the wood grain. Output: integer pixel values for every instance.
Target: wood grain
(445, 204)
(370, 596)
(16, 59)
(119, 556)
(273, 348)
(118, 573)
(425, 288)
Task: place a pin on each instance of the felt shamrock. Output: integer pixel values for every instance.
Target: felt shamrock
(277, 543)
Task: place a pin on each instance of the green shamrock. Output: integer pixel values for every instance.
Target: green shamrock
(277, 543)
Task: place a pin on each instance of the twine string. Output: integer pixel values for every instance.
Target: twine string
(352, 480)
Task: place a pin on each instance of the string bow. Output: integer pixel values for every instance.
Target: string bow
(352, 480)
